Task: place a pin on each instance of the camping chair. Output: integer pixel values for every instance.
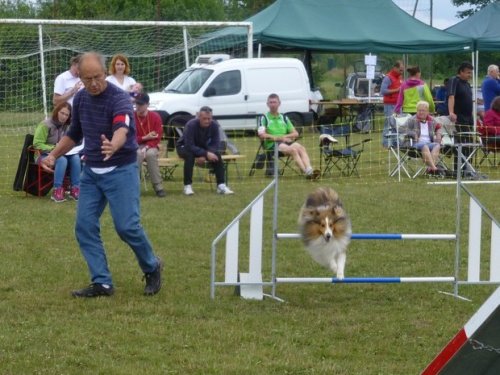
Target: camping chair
(467, 139)
(265, 158)
(490, 146)
(344, 159)
(408, 159)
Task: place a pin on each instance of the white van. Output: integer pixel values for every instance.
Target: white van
(236, 90)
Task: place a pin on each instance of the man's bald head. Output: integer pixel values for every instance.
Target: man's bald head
(92, 69)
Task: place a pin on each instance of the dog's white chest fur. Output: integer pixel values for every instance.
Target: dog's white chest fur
(325, 229)
(331, 254)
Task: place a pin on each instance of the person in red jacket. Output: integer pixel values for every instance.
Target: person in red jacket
(490, 129)
(149, 133)
(390, 90)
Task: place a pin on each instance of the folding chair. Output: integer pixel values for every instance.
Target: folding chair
(265, 158)
(490, 146)
(344, 159)
(410, 160)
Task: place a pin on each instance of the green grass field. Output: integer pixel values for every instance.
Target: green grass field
(320, 329)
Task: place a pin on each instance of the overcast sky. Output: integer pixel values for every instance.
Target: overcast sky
(444, 13)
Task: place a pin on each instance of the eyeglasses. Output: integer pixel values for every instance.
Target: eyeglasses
(89, 80)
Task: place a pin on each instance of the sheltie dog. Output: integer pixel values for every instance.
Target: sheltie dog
(325, 229)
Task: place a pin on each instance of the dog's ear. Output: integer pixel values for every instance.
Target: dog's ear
(338, 211)
(340, 225)
(309, 214)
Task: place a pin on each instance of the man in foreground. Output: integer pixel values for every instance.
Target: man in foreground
(103, 115)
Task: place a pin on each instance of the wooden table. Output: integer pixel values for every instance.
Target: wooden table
(345, 110)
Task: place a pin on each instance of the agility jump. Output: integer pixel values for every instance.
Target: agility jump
(251, 283)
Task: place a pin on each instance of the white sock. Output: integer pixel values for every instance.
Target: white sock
(221, 186)
(309, 171)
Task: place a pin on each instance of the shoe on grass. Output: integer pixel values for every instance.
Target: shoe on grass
(161, 193)
(94, 290)
(74, 193)
(314, 175)
(58, 195)
(224, 190)
(188, 190)
(153, 279)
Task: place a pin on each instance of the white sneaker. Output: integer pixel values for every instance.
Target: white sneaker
(188, 190)
(224, 190)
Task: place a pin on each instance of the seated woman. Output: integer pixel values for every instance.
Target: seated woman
(426, 135)
(490, 128)
(47, 134)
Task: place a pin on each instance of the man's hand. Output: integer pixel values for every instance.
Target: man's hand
(149, 136)
(453, 117)
(107, 147)
(211, 156)
(48, 163)
(200, 160)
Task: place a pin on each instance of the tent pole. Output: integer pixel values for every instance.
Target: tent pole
(474, 89)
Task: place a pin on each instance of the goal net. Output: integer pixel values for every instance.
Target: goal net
(34, 52)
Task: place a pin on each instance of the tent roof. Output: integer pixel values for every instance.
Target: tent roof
(483, 27)
(349, 26)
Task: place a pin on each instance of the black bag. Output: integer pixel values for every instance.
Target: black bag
(23, 163)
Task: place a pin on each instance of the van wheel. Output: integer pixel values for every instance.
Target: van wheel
(297, 121)
(174, 129)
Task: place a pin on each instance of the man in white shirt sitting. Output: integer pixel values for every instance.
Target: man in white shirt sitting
(67, 84)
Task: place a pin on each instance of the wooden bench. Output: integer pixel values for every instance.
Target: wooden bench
(167, 168)
(169, 165)
(227, 159)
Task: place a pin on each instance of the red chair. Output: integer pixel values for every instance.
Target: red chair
(38, 181)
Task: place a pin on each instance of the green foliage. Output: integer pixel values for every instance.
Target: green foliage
(475, 6)
(146, 10)
(17, 9)
(239, 10)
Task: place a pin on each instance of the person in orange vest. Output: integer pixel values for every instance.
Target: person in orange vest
(390, 90)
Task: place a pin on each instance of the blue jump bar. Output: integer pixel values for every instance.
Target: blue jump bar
(383, 236)
(377, 236)
(366, 280)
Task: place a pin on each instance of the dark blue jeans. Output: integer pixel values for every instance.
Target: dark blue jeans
(119, 188)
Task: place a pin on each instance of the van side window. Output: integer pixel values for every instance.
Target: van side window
(227, 83)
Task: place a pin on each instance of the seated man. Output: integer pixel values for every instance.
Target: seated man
(149, 133)
(275, 127)
(426, 135)
(200, 143)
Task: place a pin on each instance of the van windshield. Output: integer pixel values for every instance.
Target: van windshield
(189, 81)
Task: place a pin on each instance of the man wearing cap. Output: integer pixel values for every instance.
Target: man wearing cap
(149, 133)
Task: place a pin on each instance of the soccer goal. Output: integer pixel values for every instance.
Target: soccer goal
(34, 52)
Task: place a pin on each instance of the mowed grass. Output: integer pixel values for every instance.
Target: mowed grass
(320, 329)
